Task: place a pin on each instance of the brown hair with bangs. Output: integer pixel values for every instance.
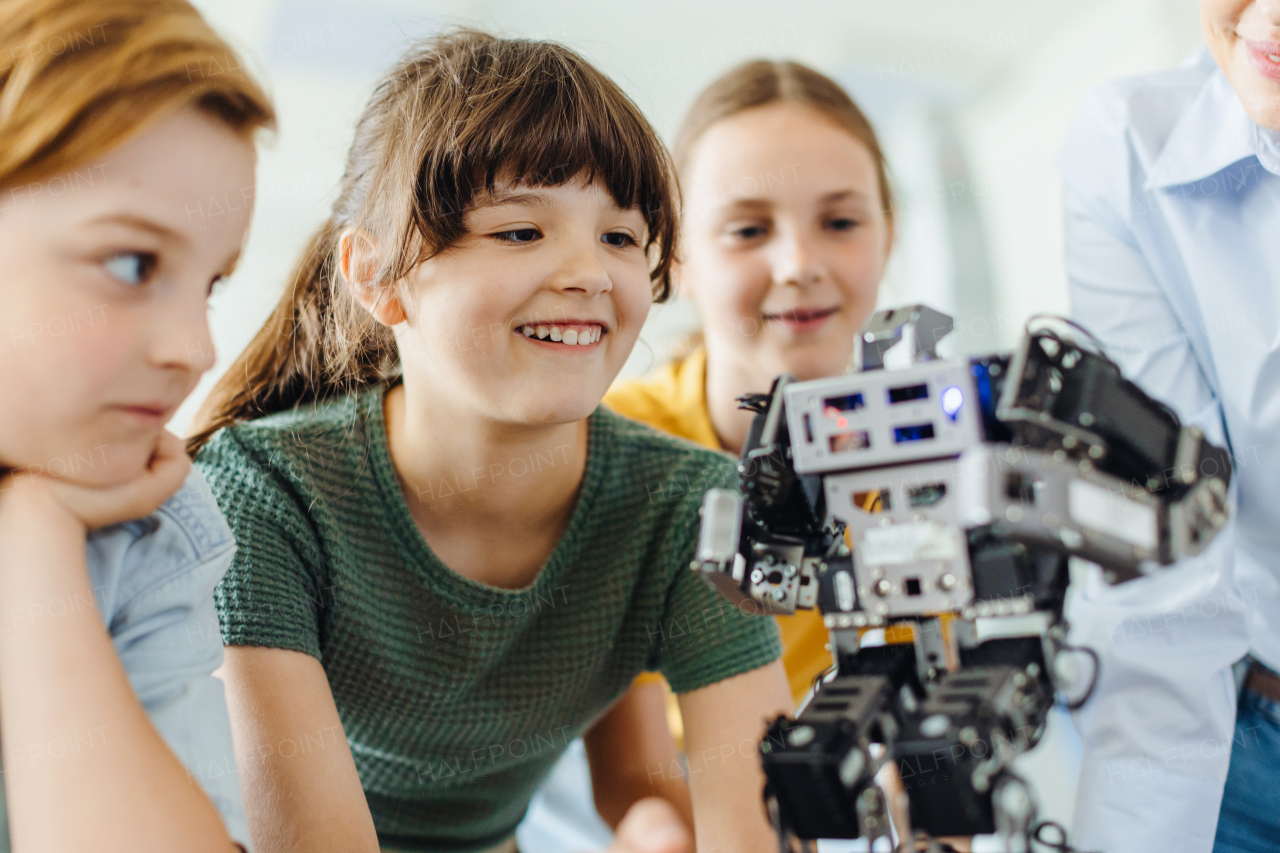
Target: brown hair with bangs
(760, 83)
(456, 115)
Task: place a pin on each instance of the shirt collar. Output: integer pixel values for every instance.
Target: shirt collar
(1211, 134)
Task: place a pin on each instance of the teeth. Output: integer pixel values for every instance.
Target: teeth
(1275, 58)
(582, 337)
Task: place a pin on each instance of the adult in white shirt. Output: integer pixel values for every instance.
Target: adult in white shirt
(1172, 192)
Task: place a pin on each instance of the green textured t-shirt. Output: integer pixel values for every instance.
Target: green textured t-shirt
(458, 697)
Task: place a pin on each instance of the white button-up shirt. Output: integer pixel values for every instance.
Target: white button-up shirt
(1173, 255)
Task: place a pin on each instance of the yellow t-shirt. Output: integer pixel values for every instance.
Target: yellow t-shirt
(674, 399)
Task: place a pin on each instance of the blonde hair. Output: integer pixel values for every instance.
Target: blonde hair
(77, 78)
(762, 82)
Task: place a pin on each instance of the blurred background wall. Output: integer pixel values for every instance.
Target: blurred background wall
(971, 100)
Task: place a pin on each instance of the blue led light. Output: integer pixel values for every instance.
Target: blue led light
(952, 400)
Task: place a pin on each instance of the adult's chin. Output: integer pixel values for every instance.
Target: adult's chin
(1257, 88)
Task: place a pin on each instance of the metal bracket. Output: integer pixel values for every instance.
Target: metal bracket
(884, 330)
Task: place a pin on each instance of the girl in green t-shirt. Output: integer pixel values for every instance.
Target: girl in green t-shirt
(446, 551)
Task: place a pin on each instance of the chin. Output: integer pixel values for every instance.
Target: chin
(817, 365)
(117, 466)
(548, 411)
(1262, 103)
(102, 459)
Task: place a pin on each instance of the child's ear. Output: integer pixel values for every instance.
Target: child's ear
(358, 261)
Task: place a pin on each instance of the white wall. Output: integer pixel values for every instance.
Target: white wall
(1003, 76)
(1014, 128)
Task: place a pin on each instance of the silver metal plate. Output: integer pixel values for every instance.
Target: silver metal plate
(876, 418)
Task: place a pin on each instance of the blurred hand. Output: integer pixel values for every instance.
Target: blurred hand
(652, 825)
(100, 507)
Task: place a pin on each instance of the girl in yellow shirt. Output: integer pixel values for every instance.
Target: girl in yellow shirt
(787, 227)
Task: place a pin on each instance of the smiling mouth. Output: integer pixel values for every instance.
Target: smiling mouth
(1265, 56)
(802, 315)
(565, 334)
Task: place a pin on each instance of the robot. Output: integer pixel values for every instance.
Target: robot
(939, 504)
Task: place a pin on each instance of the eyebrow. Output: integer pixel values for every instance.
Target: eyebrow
(142, 224)
(511, 196)
(841, 195)
(829, 198)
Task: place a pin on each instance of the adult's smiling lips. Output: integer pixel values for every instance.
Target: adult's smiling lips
(802, 319)
(1265, 58)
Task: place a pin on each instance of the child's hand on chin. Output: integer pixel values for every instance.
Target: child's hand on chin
(95, 507)
(651, 826)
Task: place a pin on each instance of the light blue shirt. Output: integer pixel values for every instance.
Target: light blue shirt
(1172, 225)
(153, 582)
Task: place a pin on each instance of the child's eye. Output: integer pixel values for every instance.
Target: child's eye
(619, 239)
(131, 267)
(749, 232)
(518, 236)
(842, 223)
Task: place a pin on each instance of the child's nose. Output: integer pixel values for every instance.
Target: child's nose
(182, 338)
(793, 260)
(580, 270)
